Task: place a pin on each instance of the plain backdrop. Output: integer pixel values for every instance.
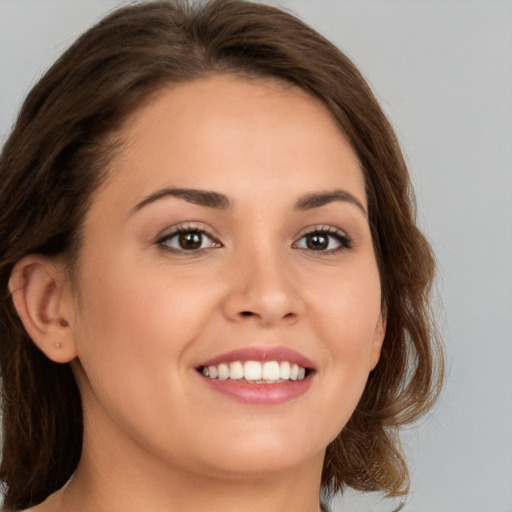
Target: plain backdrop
(443, 73)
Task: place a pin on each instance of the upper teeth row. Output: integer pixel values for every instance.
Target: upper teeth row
(270, 371)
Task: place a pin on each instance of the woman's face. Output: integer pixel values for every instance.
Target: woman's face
(232, 233)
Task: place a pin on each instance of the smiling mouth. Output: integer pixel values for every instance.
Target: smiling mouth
(256, 372)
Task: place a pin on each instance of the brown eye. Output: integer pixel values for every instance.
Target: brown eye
(326, 240)
(190, 241)
(187, 240)
(317, 241)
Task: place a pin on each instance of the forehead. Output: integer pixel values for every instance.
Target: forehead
(220, 129)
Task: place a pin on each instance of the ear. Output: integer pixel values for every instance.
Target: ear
(378, 340)
(41, 294)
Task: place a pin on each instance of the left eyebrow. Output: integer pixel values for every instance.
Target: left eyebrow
(191, 195)
(316, 200)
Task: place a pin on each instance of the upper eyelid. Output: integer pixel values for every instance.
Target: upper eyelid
(210, 232)
(346, 241)
(184, 227)
(163, 241)
(322, 228)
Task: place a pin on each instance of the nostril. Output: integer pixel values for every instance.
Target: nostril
(247, 313)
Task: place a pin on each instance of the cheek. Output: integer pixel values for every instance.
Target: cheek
(134, 315)
(347, 322)
(132, 335)
(348, 310)
(139, 323)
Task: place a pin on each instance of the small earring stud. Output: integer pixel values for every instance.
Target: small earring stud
(57, 344)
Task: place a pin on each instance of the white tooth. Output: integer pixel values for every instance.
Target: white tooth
(302, 373)
(294, 371)
(236, 370)
(284, 370)
(205, 371)
(213, 371)
(270, 370)
(252, 370)
(223, 371)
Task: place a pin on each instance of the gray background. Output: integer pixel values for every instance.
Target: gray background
(443, 73)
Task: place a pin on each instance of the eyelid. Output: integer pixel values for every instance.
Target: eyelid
(186, 227)
(345, 241)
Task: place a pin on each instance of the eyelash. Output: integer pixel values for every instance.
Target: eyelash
(344, 241)
(186, 230)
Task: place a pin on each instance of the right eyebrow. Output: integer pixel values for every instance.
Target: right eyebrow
(191, 195)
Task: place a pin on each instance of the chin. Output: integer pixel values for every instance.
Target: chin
(264, 452)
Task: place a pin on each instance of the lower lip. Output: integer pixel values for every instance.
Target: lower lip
(261, 394)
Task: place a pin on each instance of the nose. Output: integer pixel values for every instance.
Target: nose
(263, 290)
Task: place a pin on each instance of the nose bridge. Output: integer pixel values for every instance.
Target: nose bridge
(264, 289)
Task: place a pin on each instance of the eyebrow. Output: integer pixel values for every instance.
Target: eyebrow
(191, 195)
(222, 202)
(316, 200)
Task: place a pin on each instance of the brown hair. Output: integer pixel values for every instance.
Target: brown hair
(58, 153)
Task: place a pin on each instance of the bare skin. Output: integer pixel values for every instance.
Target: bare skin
(285, 261)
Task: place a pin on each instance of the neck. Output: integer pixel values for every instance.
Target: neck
(95, 491)
(117, 474)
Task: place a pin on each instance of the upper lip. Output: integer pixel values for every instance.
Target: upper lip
(262, 354)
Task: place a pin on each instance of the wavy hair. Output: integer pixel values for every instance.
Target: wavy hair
(58, 153)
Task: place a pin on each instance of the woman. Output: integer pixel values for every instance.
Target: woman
(216, 294)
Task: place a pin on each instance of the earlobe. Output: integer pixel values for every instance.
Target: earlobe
(39, 291)
(378, 341)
